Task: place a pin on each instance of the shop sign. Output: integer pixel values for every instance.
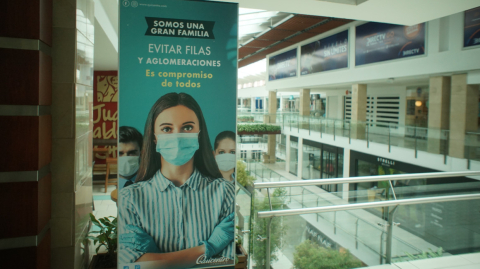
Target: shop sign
(283, 65)
(377, 42)
(386, 162)
(315, 235)
(325, 54)
(471, 31)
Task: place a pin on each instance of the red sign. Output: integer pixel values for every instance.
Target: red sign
(105, 111)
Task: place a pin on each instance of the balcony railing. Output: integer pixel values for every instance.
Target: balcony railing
(391, 134)
(381, 236)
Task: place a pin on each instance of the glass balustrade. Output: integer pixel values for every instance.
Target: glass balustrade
(404, 136)
(359, 238)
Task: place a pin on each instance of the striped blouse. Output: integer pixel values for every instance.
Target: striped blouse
(177, 218)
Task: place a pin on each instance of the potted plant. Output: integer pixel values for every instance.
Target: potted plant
(241, 254)
(309, 255)
(243, 176)
(277, 229)
(106, 236)
(258, 129)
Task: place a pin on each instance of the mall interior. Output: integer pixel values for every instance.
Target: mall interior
(329, 141)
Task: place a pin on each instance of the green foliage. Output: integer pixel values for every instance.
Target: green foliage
(277, 228)
(425, 255)
(309, 255)
(258, 128)
(107, 236)
(238, 237)
(242, 175)
(245, 118)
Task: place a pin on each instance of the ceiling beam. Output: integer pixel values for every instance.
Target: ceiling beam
(106, 24)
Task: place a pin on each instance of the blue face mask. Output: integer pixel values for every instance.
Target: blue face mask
(177, 148)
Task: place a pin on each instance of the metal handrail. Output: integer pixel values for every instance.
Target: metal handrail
(310, 182)
(322, 209)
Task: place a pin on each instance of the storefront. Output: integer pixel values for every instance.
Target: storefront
(322, 161)
(432, 222)
(293, 155)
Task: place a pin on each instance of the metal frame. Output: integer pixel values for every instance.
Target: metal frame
(297, 183)
(345, 207)
(385, 204)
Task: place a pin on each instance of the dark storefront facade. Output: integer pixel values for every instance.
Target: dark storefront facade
(450, 225)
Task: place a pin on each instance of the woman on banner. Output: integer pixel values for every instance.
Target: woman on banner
(180, 209)
(224, 152)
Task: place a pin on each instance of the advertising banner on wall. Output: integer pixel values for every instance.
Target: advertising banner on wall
(283, 65)
(471, 32)
(177, 117)
(377, 42)
(325, 54)
(105, 115)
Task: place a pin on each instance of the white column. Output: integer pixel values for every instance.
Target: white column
(463, 113)
(252, 104)
(359, 110)
(304, 109)
(438, 112)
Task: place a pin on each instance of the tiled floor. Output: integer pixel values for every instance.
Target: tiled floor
(467, 261)
(104, 206)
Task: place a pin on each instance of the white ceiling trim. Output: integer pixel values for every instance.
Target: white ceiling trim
(106, 24)
(404, 12)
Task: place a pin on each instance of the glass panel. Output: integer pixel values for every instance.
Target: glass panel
(449, 228)
(293, 157)
(243, 211)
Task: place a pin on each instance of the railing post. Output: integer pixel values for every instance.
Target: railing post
(389, 137)
(467, 151)
(368, 142)
(290, 200)
(298, 123)
(317, 206)
(356, 234)
(415, 134)
(320, 127)
(333, 130)
(308, 125)
(303, 189)
(381, 247)
(445, 150)
(335, 222)
(267, 249)
(349, 132)
(283, 121)
(290, 122)
(390, 235)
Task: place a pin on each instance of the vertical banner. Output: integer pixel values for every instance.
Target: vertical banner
(178, 81)
(325, 54)
(377, 42)
(471, 31)
(283, 65)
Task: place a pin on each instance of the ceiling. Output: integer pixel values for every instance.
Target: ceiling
(275, 27)
(405, 12)
(288, 32)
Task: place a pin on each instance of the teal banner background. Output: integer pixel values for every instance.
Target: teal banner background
(216, 96)
(211, 63)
